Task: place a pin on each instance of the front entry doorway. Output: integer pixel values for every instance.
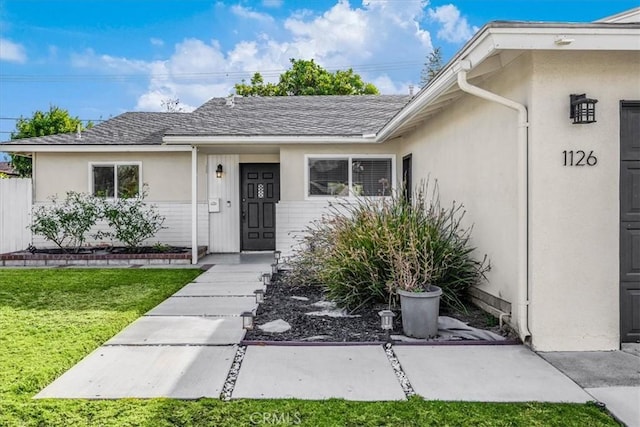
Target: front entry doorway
(630, 221)
(259, 192)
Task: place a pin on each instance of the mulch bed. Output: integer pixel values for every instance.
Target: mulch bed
(279, 304)
(103, 250)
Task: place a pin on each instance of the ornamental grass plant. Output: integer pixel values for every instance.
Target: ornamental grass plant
(363, 251)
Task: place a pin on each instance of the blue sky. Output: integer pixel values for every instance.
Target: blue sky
(100, 58)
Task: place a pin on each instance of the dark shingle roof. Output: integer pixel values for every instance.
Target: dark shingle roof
(7, 169)
(248, 116)
(293, 115)
(125, 129)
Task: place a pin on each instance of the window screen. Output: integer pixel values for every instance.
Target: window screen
(328, 177)
(371, 177)
(124, 178)
(103, 181)
(128, 180)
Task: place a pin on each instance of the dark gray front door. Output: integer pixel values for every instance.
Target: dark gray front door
(630, 221)
(260, 192)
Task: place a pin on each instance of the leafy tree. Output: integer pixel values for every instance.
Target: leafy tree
(305, 77)
(432, 67)
(257, 87)
(54, 121)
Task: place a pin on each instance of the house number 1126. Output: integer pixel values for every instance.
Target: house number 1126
(579, 158)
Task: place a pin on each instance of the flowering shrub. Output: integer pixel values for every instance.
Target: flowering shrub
(68, 223)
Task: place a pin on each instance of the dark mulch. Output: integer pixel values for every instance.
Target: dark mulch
(279, 304)
(159, 249)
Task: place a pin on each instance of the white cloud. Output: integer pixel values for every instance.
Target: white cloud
(12, 52)
(455, 28)
(156, 41)
(248, 13)
(111, 64)
(383, 34)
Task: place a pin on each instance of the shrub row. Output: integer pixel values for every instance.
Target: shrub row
(68, 222)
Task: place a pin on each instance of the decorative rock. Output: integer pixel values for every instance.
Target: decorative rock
(299, 298)
(324, 304)
(337, 312)
(317, 338)
(275, 327)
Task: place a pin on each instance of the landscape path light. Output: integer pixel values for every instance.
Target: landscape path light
(266, 279)
(386, 322)
(247, 320)
(259, 293)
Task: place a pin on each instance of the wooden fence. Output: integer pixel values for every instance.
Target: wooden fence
(15, 214)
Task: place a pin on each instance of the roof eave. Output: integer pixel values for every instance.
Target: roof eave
(88, 148)
(203, 140)
(498, 36)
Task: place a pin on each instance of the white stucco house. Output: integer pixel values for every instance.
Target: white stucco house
(550, 180)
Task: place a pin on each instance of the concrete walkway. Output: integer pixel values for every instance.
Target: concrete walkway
(183, 348)
(187, 347)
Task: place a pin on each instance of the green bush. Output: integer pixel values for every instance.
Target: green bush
(66, 223)
(349, 251)
(131, 220)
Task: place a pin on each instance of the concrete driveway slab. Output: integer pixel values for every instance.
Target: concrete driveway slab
(174, 330)
(353, 373)
(203, 306)
(597, 368)
(244, 268)
(485, 374)
(229, 277)
(623, 402)
(219, 289)
(180, 372)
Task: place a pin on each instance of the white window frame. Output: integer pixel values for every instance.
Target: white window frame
(115, 166)
(349, 158)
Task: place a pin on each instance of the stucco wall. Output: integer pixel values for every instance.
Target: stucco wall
(292, 163)
(574, 211)
(470, 149)
(168, 174)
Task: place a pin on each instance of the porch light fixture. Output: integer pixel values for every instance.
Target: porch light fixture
(266, 279)
(247, 320)
(582, 109)
(386, 322)
(259, 293)
(219, 171)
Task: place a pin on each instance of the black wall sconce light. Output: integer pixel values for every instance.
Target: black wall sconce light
(219, 171)
(582, 109)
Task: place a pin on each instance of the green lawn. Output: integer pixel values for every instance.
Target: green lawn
(50, 319)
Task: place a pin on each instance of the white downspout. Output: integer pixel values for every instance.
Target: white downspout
(194, 205)
(523, 237)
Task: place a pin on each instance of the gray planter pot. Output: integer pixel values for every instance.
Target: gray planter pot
(420, 312)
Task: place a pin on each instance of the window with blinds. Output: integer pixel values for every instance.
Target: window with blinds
(371, 177)
(350, 176)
